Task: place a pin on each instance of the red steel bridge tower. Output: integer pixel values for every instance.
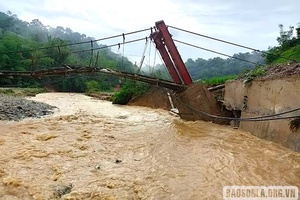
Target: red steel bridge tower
(170, 55)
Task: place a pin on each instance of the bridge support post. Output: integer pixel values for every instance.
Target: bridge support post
(169, 43)
(157, 38)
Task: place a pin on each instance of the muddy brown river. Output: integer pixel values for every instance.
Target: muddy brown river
(91, 149)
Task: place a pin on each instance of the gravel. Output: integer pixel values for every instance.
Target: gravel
(283, 70)
(17, 108)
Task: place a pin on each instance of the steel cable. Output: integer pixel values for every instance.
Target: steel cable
(258, 118)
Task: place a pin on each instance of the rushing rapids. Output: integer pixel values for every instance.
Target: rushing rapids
(91, 149)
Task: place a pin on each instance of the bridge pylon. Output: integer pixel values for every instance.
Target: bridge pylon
(170, 55)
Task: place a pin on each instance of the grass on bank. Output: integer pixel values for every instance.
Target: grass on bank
(287, 56)
(248, 75)
(129, 90)
(218, 80)
(22, 92)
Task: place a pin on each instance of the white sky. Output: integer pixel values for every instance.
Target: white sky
(252, 23)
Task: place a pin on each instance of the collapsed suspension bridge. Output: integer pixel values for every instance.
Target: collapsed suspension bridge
(67, 70)
(159, 35)
(166, 47)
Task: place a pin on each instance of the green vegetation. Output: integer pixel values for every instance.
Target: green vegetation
(219, 67)
(249, 75)
(129, 89)
(17, 37)
(218, 80)
(288, 49)
(93, 86)
(256, 72)
(289, 55)
(20, 36)
(21, 91)
(218, 70)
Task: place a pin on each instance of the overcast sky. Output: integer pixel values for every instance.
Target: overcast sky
(252, 23)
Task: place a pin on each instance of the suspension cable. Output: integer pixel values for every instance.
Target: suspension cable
(99, 48)
(227, 42)
(213, 38)
(205, 49)
(258, 118)
(143, 56)
(154, 60)
(76, 43)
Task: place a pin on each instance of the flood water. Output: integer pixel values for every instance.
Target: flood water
(92, 149)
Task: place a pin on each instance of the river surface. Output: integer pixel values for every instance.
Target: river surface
(91, 149)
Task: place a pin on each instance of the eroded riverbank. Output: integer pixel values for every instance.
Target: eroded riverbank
(125, 152)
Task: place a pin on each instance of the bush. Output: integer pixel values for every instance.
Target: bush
(250, 75)
(92, 86)
(122, 97)
(129, 90)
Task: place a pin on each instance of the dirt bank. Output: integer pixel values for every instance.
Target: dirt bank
(281, 71)
(273, 72)
(156, 97)
(195, 97)
(274, 92)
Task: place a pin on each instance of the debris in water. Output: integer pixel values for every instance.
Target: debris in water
(295, 124)
(97, 167)
(45, 137)
(110, 136)
(13, 182)
(61, 190)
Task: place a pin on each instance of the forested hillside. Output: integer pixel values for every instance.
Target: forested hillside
(288, 49)
(20, 36)
(216, 67)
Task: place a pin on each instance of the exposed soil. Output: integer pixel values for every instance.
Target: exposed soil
(283, 70)
(156, 97)
(278, 71)
(272, 72)
(13, 108)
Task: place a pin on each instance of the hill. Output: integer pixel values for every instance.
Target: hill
(217, 67)
(18, 38)
(289, 55)
(288, 49)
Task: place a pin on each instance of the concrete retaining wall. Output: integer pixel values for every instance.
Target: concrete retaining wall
(264, 97)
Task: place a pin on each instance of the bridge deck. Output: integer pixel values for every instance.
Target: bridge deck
(81, 70)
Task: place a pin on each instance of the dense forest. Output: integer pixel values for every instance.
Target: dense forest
(18, 38)
(215, 67)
